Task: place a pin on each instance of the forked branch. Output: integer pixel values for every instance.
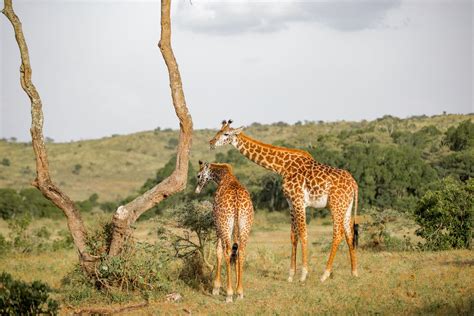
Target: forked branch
(128, 214)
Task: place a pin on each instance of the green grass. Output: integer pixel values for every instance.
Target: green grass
(389, 283)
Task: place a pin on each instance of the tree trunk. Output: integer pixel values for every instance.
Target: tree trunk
(128, 214)
(43, 180)
(176, 182)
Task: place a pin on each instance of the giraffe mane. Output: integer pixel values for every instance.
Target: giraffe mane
(222, 166)
(279, 148)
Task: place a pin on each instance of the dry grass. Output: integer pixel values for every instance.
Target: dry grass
(389, 283)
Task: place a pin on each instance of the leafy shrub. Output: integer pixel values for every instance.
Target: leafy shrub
(19, 236)
(21, 298)
(5, 162)
(459, 164)
(37, 205)
(11, 203)
(108, 206)
(377, 236)
(461, 137)
(5, 245)
(89, 204)
(195, 246)
(28, 201)
(446, 215)
(172, 143)
(77, 168)
(140, 269)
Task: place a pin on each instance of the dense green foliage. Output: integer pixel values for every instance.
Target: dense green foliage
(21, 298)
(461, 137)
(446, 215)
(28, 201)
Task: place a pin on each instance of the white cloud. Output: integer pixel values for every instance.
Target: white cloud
(232, 17)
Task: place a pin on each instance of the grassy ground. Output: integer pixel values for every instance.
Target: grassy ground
(389, 282)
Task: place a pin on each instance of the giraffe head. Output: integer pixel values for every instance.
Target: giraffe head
(204, 175)
(226, 135)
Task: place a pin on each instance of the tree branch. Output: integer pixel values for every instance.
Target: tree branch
(176, 182)
(43, 180)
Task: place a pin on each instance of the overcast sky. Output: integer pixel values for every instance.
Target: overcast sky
(99, 72)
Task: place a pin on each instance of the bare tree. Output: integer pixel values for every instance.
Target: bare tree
(125, 215)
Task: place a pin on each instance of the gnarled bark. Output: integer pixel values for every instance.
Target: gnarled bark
(128, 214)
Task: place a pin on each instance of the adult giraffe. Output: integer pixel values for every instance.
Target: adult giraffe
(306, 182)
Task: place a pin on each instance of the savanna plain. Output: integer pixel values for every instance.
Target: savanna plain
(397, 275)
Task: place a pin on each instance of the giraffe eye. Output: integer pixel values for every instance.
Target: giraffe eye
(226, 134)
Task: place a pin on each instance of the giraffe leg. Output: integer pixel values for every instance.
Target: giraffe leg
(349, 238)
(230, 292)
(300, 218)
(217, 279)
(336, 240)
(294, 246)
(240, 266)
(303, 235)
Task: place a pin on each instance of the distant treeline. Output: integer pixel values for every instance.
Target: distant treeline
(392, 172)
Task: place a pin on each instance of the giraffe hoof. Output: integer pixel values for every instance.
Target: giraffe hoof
(355, 273)
(304, 274)
(215, 291)
(325, 275)
(290, 279)
(240, 296)
(228, 299)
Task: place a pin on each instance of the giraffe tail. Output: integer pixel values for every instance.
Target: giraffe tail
(355, 239)
(235, 253)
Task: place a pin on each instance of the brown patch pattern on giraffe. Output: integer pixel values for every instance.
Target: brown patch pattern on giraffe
(233, 218)
(306, 182)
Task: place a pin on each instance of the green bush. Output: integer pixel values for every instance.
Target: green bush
(140, 269)
(108, 206)
(5, 162)
(5, 245)
(377, 235)
(37, 205)
(77, 168)
(446, 215)
(461, 137)
(21, 298)
(459, 164)
(195, 246)
(11, 203)
(89, 204)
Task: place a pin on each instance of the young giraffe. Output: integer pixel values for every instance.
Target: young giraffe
(233, 217)
(306, 182)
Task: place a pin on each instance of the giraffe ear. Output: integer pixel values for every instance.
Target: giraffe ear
(237, 131)
(224, 122)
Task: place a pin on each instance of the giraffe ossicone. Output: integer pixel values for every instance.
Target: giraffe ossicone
(306, 182)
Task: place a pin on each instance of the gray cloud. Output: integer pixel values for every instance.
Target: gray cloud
(233, 17)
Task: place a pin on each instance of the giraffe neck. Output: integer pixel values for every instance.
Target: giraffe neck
(277, 159)
(220, 171)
